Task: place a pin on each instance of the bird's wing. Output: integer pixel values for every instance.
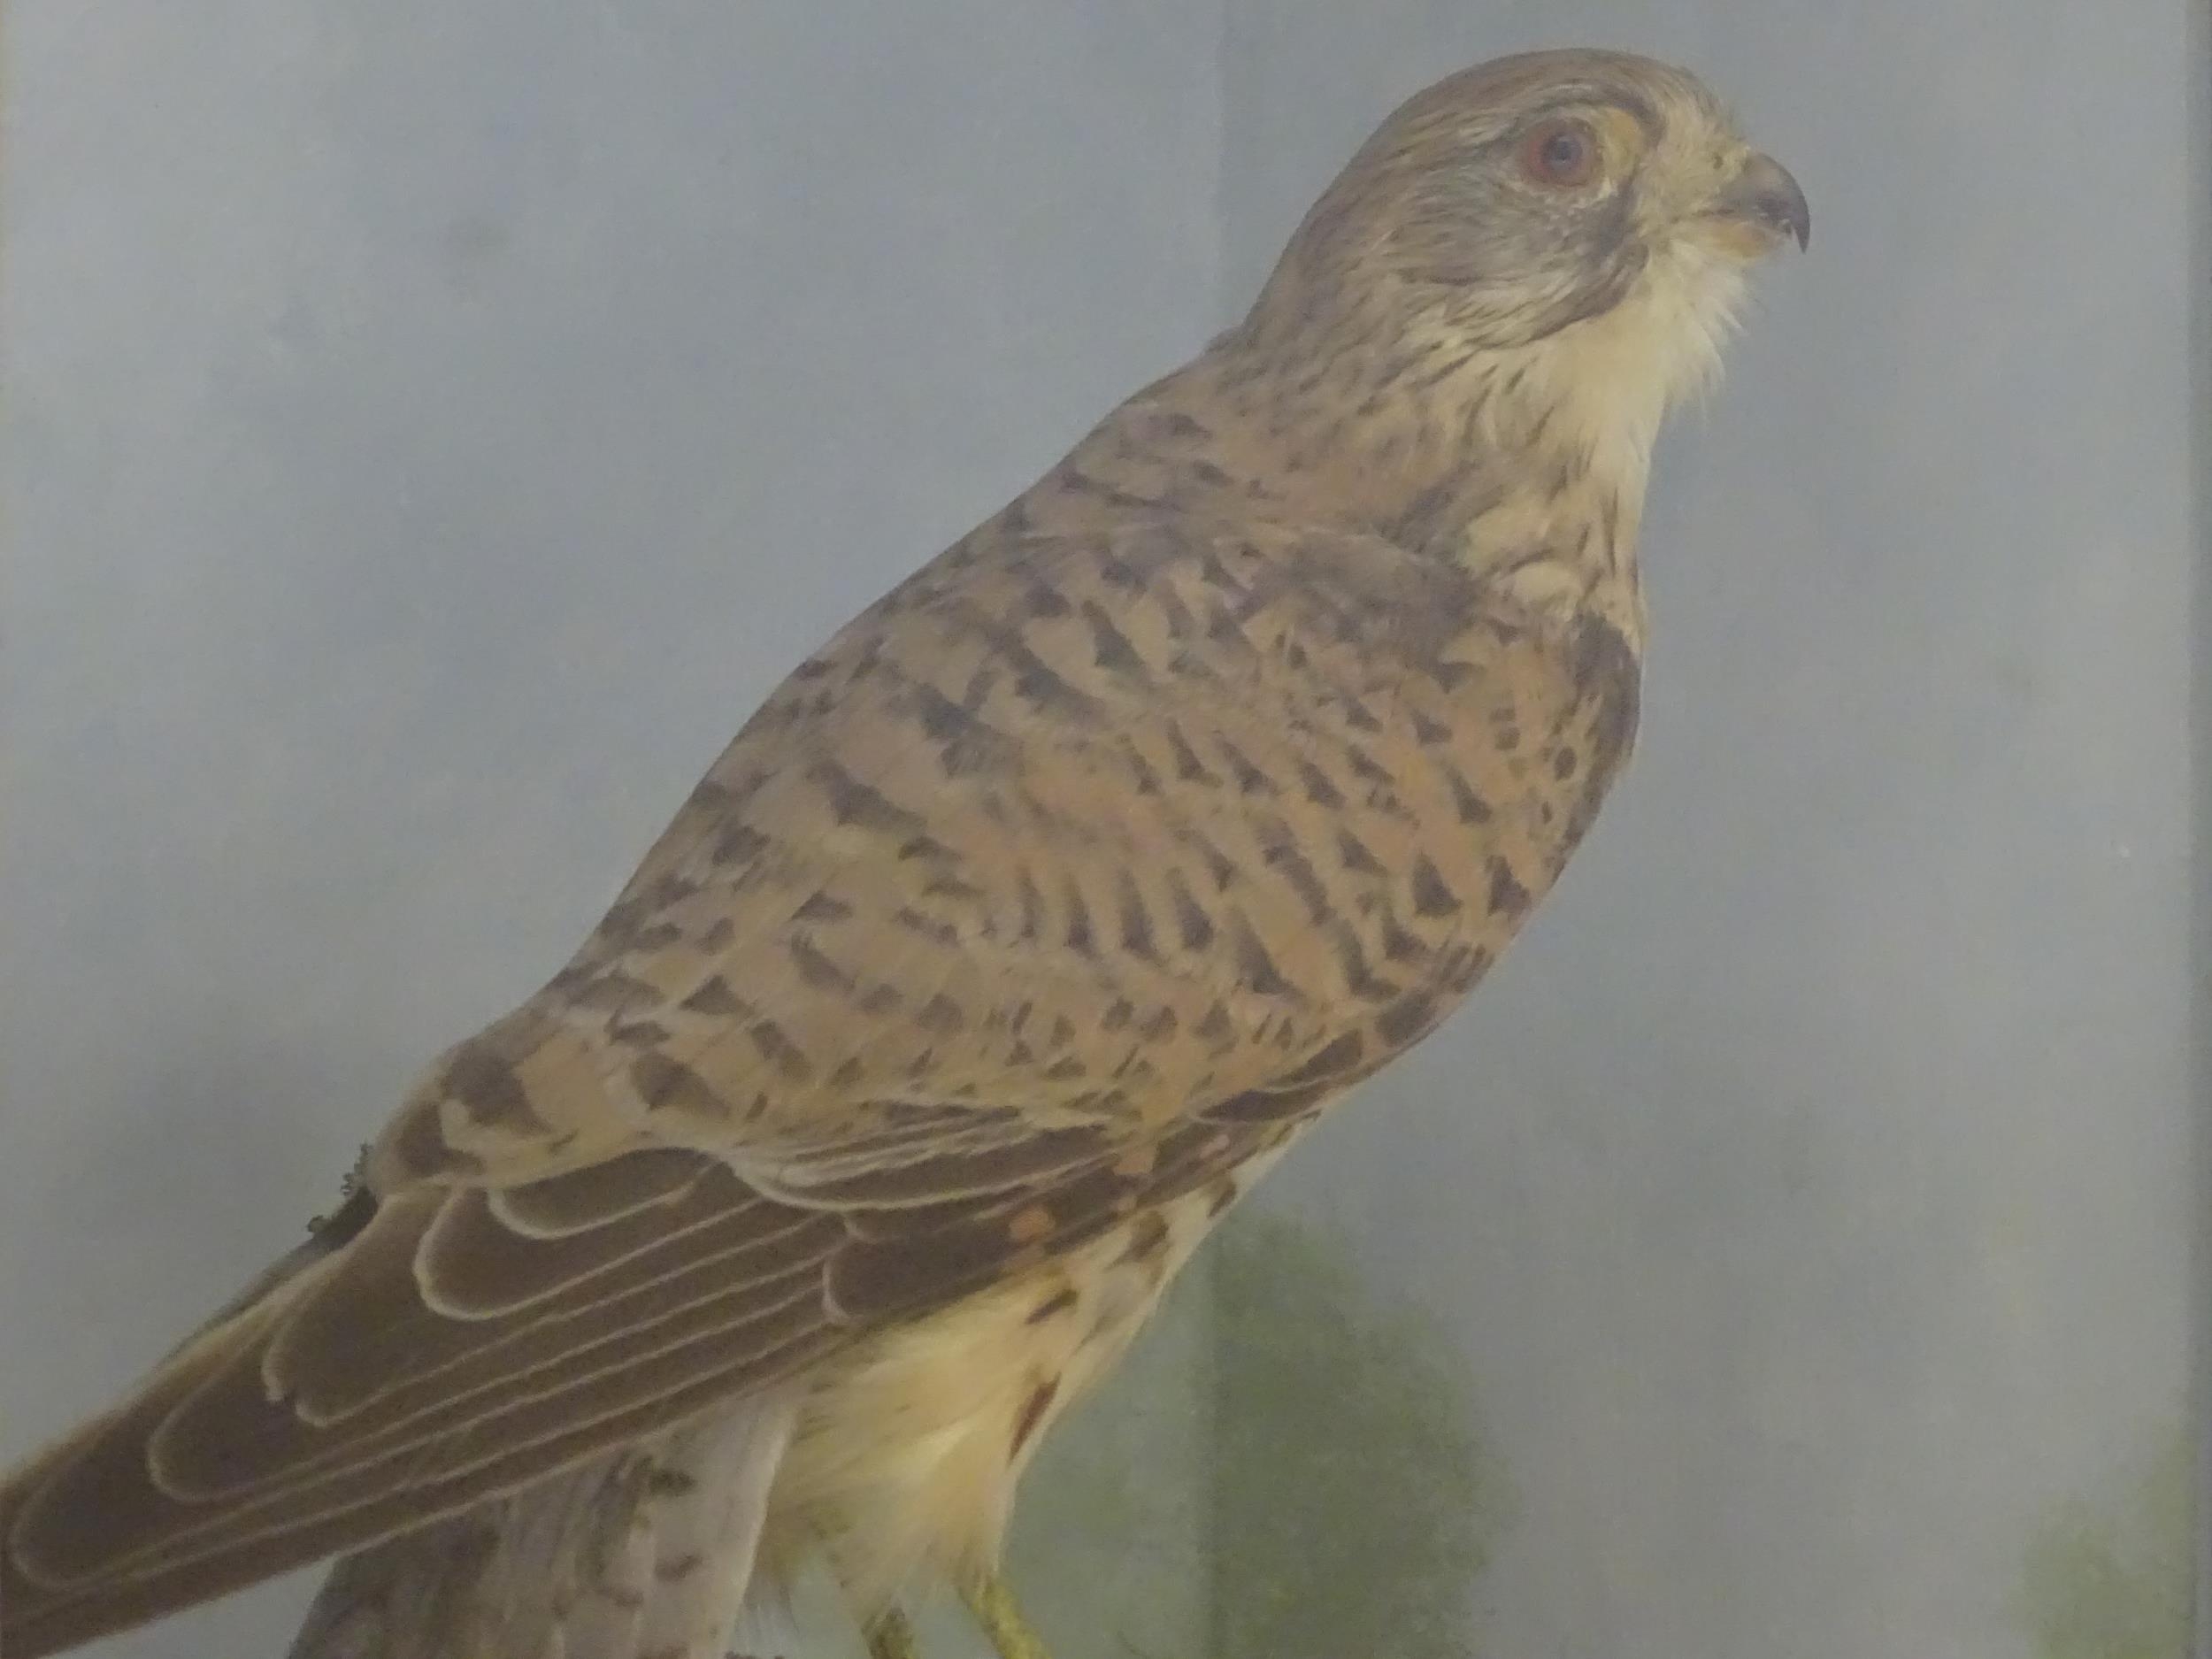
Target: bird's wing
(1071, 875)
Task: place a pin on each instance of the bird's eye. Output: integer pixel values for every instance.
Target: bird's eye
(1561, 153)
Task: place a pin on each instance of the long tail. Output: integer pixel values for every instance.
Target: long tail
(644, 1554)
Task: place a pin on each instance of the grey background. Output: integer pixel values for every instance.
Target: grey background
(430, 427)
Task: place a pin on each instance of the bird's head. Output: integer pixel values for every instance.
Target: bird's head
(1585, 216)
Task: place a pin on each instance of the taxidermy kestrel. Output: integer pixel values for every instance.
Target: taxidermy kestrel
(1021, 930)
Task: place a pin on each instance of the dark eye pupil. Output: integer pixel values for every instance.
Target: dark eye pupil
(1563, 152)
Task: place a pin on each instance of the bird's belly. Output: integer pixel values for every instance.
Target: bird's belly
(903, 1464)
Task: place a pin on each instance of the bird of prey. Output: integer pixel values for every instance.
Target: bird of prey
(1020, 931)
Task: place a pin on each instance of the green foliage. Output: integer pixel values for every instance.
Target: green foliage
(2108, 1579)
(1355, 1501)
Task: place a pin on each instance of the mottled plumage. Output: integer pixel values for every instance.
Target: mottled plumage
(1015, 934)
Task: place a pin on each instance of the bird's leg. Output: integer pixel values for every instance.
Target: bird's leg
(892, 1637)
(992, 1605)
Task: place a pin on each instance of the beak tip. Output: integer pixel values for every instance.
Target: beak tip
(1764, 191)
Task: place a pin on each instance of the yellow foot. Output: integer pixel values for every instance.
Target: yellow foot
(891, 1637)
(992, 1605)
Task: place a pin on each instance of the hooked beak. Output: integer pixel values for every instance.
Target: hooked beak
(1762, 195)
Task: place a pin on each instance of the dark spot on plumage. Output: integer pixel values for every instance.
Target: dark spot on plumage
(1118, 572)
(1119, 1013)
(941, 1015)
(1255, 969)
(1368, 768)
(1207, 473)
(1216, 575)
(1110, 647)
(967, 743)
(1013, 518)
(780, 1051)
(489, 1091)
(1135, 921)
(821, 911)
(1334, 1063)
(1063, 1032)
(1034, 681)
(1465, 966)
(849, 1071)
(1066, 1069)
(421, 1148)
(637, 1034)
(1319, 789)
(1147, 1237)
(1078, 935)
(741, 843)
(1058, 1303)
(709, 798)
(1507, 896)
(937, 931)
(1223, 628)
(657, 937)
(661, 1082)
(862, 805)
(1217, 862)
(1033, 906)
(1147, 780)
(879, 999)
(1353, 854)
(1403, 1021)
(1158, 1025)
(1358, 716)
(1505, 734)
(1471, 807)
(1429, 732)
(1033, 1411)
(1430, 895)
(1267, 1105)
(1283, 856)
(1216, 1028)
(615, 992)
(1249, 779)
(1564, 762)
(1188, 767)
(1041, 599)
(816, 969)
(718, 934)
(1192, 925)
(1220, 1196)
(1351, 961)
(1398, 945)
